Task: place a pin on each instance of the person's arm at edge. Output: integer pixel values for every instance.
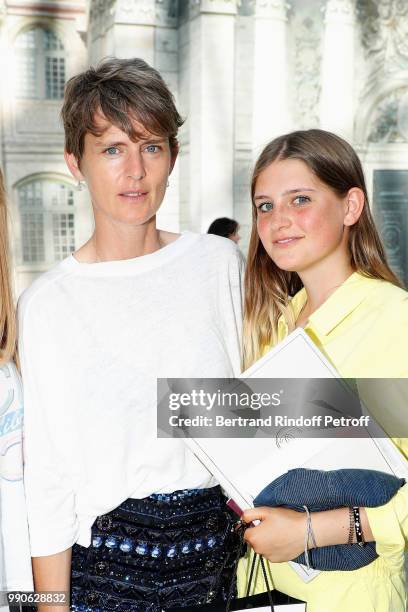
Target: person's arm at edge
(53, 573)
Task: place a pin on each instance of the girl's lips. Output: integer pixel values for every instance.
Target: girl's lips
(287, 241)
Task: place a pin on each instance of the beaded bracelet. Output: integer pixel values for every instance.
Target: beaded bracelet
(351, 526)
(357, 526)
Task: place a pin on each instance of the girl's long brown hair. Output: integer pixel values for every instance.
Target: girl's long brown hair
(268, 288)
(7, 311)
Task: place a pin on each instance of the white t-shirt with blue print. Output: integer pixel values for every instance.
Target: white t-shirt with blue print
(15, 562)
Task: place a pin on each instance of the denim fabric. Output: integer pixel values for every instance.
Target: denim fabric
(164, 551)
(325, 490)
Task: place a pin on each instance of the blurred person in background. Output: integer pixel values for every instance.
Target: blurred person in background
(225, 227)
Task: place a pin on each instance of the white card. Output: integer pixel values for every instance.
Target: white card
(244, 466)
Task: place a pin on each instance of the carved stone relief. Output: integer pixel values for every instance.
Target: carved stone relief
(384, 33)
(167, 12)
(340, 8)
(141, 12)
(100, 16)
(390, 119)
(305, 83)
(245, 7)
(271, 8)
(391, 215)
(394, 237)
(212, 6)
(135, 11)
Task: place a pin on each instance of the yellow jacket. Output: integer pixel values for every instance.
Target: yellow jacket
(362, 328)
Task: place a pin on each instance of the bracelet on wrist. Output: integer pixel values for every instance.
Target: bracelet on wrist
(351, 526)
(310, 540)
(357, 526)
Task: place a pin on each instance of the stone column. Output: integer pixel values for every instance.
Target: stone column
(336, 108)
(166, 62)
(100, 20)
(122, 28)
(270, 98)
(208, 83)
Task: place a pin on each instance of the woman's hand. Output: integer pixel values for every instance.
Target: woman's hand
(281, 534)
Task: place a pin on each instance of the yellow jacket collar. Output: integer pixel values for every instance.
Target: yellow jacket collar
(338, 305)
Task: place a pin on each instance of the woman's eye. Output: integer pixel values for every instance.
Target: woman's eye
(301, 200)
(112, 150)
(265, 207)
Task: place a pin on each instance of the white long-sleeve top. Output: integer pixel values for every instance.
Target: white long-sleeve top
(15, 561)
(93, 340)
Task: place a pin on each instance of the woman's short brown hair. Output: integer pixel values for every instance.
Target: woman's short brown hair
(124, 91)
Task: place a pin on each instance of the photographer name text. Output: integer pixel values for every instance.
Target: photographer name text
(316, 421)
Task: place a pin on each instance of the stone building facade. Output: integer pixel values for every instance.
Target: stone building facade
(41, 45)
(242, 71)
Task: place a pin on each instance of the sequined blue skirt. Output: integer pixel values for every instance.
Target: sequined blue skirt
(160, 552)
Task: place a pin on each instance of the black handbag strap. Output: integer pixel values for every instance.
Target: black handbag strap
(241, 527)
(240, 530)
(251, 574)
(268, 588)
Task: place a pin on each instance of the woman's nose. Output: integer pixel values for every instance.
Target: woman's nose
(136, 169)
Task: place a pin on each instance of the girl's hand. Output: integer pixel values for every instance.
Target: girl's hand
(280, 535)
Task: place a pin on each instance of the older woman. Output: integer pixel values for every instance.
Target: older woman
(132, 521)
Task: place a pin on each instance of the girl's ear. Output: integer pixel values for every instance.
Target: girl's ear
(355, 202)
(73, 166)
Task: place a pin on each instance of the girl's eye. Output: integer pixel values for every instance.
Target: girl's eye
(265, 207)
(301, 200)
(152, 148)
(112, 150)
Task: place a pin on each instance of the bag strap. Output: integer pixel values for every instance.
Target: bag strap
(251, 574)
(241, 527)
(268, 588)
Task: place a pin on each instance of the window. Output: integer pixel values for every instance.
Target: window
(40, 65)
(47, 217)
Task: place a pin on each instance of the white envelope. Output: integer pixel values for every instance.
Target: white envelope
(245, 466)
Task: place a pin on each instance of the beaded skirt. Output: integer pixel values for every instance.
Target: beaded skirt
(157, 553)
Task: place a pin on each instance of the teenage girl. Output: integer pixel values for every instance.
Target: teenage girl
(316, 261)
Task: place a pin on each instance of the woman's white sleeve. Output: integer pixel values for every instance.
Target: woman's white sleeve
(50, 498)
(231, 306)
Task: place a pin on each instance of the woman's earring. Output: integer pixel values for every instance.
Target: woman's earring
(80, 185)
(168, 184)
